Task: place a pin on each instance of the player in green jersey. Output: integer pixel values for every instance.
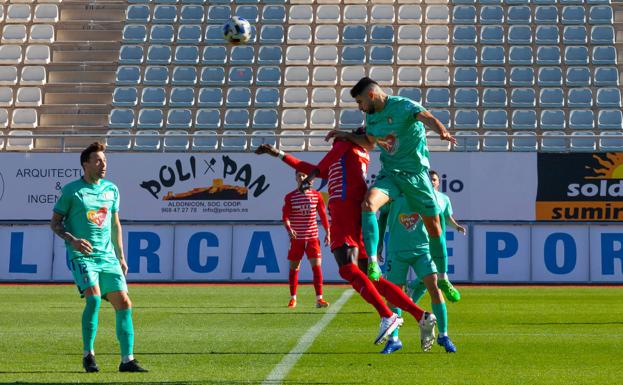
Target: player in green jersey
(408, 247)
(86, 216)
(417, 287)
(396, 124)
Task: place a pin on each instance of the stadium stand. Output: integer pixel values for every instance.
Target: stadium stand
(520, 75)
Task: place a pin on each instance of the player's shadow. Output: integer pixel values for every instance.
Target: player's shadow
(569, 323)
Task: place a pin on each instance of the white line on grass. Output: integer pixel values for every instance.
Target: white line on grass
(282, 369)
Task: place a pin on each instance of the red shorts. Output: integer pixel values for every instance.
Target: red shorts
(346, 225)
(298, 247)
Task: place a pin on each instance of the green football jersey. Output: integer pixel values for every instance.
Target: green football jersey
(400, 136)
(88, 210)
(406, 228)
(446, 209)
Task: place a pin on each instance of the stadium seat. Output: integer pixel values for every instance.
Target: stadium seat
(323, 97)
(408, 34)
(520, 55)
(492, 34)
(578, 76)
(524, 120)
(521, 77)
(466, 97)
(610, 119)
(495, 141)
(552, 120)
(574, 34)
(262, 137)
(573, 14)
(304, 14)
(204, 140)
(273, 14)
(465, 55)
(326, 55)
(435, 76)
(184, 76)
(18, 14)
(24, 143)
(554, 141)
(121, 118)
(464, 14)
(494, 119)
(147, 140)
(494, 97)
(150, 118)
(316, 141)
(576, 55)
(248, 12)
(437, 34)
(14, 33)
(118, 140)
(409, 14)
(548, 55)
(238, 97)
(265, 119)
(601, 14)
(519, 34)
(292, 141)
(208, 119)
(545, 14)
(138, 13)
(132, 33)
(608, 97)
(9, 76)
(354, 34)
(381, 34)
(25, 118)
(242, 76)
(328, 14)
(350, 119)
(299, 34)
(438, 97)
(125, 97)
(580, 98)
(519, 15)
(179, 118)
(606, 76)
(550, 77)
(409, 55)
(523, 98)
(129, 54)
(236, 119)
(382, 54)
(218, 14)
(166, 14)
(524, 141)
(582, 141)
(462, 34)
(602, 34)
(6, 97)
(551, 97)
(382, 14)
(493, 76)
(611, 141)
(414, 94)
(465, 76)
(492, 14)
(443, 116)
(322, 119)
(581, 120)
(604, 55)
(272, 34)
(466, 119)
(192, 14)
(467, 141)
(176, 140)
(268, 76)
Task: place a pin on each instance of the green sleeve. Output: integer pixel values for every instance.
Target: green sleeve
(449, 211)
(414, 108)
(63, 205)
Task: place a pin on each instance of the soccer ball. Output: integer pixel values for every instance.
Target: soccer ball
(237, 30)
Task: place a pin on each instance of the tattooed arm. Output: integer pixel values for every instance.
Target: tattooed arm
(82, 245)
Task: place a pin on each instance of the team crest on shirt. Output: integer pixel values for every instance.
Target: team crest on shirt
(98, 216)
(108, 195)
(389, 143)
(409, 220)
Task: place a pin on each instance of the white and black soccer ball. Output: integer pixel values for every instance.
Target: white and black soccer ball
(237, 30)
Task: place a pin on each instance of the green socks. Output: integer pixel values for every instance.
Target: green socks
(125, 331)
(439, 309)
(438, 249)
(398, 311)
(370, 232)
(89, 321)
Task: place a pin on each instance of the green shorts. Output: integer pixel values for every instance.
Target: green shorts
(88, 272)
(416, 188)
(398, 264)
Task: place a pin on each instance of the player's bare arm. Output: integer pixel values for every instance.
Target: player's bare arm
(117, 241)
(456, 225)
(432, 122)
(267, 149)
(365, 141)
(82, 245)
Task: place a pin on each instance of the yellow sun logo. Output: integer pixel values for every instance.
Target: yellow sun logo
(612, 166)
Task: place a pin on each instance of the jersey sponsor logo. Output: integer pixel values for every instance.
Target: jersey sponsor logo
(408, 221)
(98, 216)
(388, 143)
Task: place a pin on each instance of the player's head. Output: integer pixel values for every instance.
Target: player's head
(93, 161)
(300, 177)
(434, 178)
(367, 94)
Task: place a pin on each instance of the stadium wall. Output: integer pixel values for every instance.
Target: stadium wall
(219, 221)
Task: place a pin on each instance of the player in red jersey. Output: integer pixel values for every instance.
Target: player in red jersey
(300, 209)
(345, 166)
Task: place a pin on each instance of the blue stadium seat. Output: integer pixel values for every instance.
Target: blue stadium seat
(236, 118)
(602, 34)
(467, 141)
(150, 118)
(268, 76)
(493, 76)
(162, 34)
(524, 119)
(248, 12)
(465, 55)
(210, 97)
(549, 77)
(581, 120)
(611, 141)
(244, 55)
(610, 119)
(545, 14)
(242, 76)
(464, 34)
(381, 54)
(186, 54)
(153, 97)
(519, 15)
(491, 14)
(267, 119)
(465, 76)
(128, 75)
(494, 119)
(213, 34)
(238, 97)
(156, 75)
(134, 33)
(492, 55)
(182, 97)
(121, 118)
(272, 34)
(466, 119)
(546, 35)
(573, 14)
(578, 76)
(466, 97)
(554, 141)
(576, 55)
(350, 119)
(179, 118)
(608, 97)
(438, 97)
(580, 98)
(267, 97)
(521, 77)
(464, 14)
(601, 14)
(192, 14)
(494, 97)
(147, 140)
(119, 143)
(604, 55)
(353, 55)
(552, 120)
(582, 141)
(274, 14)
(552, 97)
(184, 76)
(165, 14)
(492, 34)
(131, 54)
(138, 13)
(219, 14)
(523, 98)
(606, 76)
(354, 34)
(411, 93)
(495, 141)
(520, 55)
(208, 118)
(574, 34)
(524, 141)
(548, 55)
(214, 55)
(125, 97)
(270, 54)
(381, 34)
(159, 54)
(443, 116)
(519, 34)
(205, 140)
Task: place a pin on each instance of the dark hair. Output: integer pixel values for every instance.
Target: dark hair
(361, 86)
(433, 172)
(359, 130)
(86, 153)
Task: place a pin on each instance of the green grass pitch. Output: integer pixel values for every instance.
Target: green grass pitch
(237, 334)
